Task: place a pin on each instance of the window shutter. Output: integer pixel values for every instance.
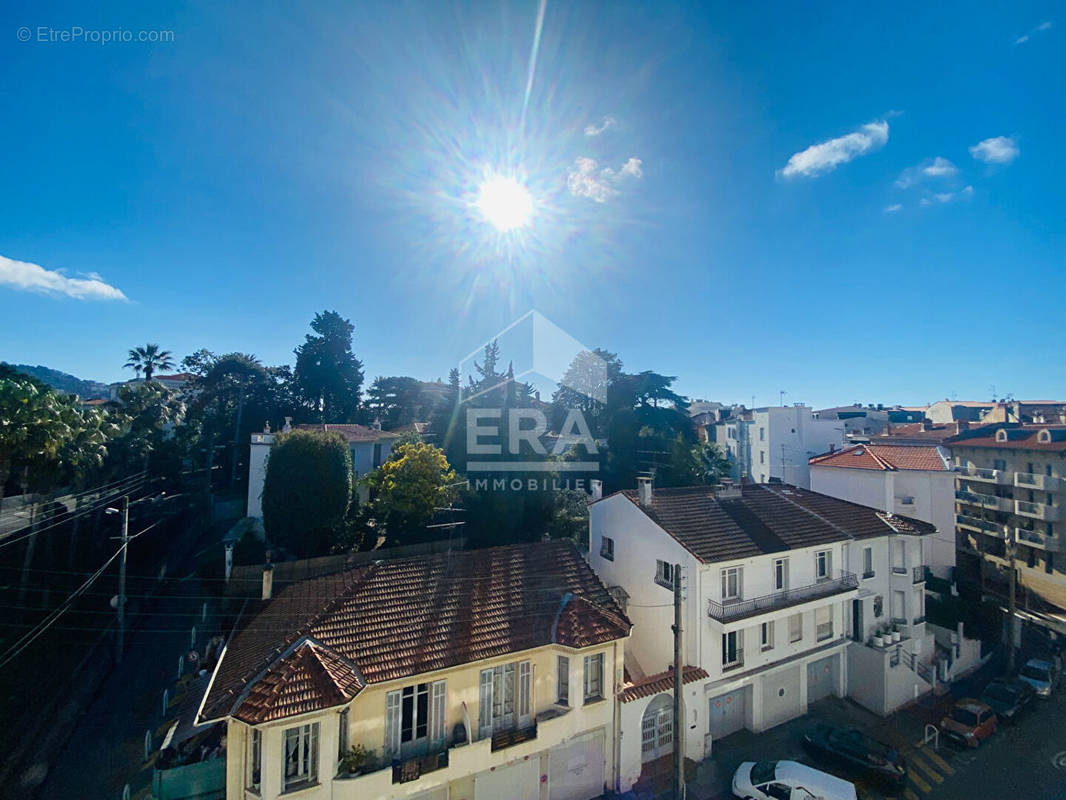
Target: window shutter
(392, 724)
(438, 714)
(312, 762)
(524, 688)
(485, 704)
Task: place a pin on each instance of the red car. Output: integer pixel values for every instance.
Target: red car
(970, 722)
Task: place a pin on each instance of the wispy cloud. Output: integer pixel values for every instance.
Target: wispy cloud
(826, 156)
(946, 197)
(997, 150)
(930, 168)
(1043, 26)
(892, 209)
(595, 130)
(26, 277)
(588, 179)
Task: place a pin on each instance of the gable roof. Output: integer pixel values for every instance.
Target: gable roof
(759, 519)
(887, 458)
(319, 642)
(661, 682)
(350, 432)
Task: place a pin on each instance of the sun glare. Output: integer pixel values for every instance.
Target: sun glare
(505, 203)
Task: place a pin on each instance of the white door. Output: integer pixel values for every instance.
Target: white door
(520, 781)
(657, 729)
(575, 770)
(727, 713)
(822, 678)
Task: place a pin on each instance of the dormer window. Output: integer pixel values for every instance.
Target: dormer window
(1044, 436)
(1001, 435)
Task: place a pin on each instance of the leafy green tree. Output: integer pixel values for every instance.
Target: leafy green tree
(307, 491)
(148, 359)
(328, 378)
(395, 401)
(405, 490)
(147, 416)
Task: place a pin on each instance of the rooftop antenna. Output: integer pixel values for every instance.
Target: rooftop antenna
(781, 394)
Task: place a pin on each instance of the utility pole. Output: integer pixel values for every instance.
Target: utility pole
(124, 509)
(1011, 602)
(679, 756)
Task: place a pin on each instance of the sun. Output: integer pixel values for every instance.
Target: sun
(505, 203)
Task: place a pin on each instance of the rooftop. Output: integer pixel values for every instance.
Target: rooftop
(885, 457)
(351, 432)
(661, 682)
(759, 519)
(319, 642)
(1051, 438)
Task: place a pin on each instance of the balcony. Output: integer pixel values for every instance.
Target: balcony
(513, 736)
(982, 525)
(984, 500)
(738, 660)
(414, 767)
(917, 574)
(1036, 510)
(1037, 539)
(997, 476)
(731, 610)
(1034, 480)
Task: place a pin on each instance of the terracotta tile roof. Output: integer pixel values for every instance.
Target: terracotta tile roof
(351, 433)
(917, 432)
(1017, 437)
(319, 641)
(763, 519)
(662, 682)
(887, 458)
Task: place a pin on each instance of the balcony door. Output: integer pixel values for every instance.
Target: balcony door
(504, 695)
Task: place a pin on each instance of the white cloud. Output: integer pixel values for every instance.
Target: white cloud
(26, 277)
(938, 167)
(892, 209)
(595, 130)
(946, 197)
(997, 150)
(1043, 26)
(827, 156)
(587, 179)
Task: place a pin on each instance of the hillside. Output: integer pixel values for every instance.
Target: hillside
(63, 381)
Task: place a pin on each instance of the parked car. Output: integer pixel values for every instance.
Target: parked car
(777, 780)
(1007, 698)
(856, 752)
(970, 722)
(1040, 675)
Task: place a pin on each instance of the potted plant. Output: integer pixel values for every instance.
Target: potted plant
(896, 634)
(879, 638)
(355, 761)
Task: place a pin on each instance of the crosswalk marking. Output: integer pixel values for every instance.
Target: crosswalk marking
(925, 768)
(909, 794)
(941, 763)
(917, 780)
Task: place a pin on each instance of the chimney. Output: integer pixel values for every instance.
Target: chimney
(962, 425)
(287, 427)
(832, 447)
(268, 581)
(644, 491)
(926, 425)
(596, 487)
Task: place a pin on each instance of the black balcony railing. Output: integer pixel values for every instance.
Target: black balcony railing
(918, 574)
(738, 660)
(414, 767)
(738, 609)
(513, 736)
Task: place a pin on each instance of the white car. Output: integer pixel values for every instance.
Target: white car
(1040, 675)
(788, 780)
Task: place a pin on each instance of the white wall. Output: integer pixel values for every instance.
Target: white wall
(257, 458)
(790, 435)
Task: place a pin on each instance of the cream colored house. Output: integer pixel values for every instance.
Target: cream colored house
(464, 676)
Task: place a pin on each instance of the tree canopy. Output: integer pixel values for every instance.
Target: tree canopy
(328, 378)
(413, 482)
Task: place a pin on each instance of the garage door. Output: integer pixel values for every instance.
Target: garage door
(575, 770)
(822, 677)
(727, 713)
(520, 781)
(781, 695)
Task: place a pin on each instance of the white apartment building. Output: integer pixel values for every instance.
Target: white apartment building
(783, 592)
(776, 442)
(913, 481)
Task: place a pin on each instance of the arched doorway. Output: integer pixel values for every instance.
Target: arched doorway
(657, 729)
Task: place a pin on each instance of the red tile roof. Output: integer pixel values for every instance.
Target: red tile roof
(662, 682)
(320, 641)
(1017, 437)
(760, 519)
(888, 458)
(351, 433)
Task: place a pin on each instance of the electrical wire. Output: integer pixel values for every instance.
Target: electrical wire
(68, 497)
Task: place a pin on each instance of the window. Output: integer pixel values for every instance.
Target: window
(413, 715)
(795, 628)
(502, 691)
(593, 678)
(762, 456)
(342, 734)
(664, 574)
(899, 556)
(377, 455)
(780, 574)
(562, 678)
(823, 560)
(732, 583)
(867, 562)
(762, 434)
(607, 548)
(999, 464)
(255, 760)
(732, 650)
(766, 636)
(301, 757)
(899, 607)
(823, 623)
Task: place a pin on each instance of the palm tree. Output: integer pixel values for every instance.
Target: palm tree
(148, 359)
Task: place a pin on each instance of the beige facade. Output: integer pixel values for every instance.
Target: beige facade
(547, 750)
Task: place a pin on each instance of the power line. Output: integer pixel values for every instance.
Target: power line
(68, 497)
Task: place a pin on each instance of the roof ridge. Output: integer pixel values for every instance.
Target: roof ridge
(811, 512)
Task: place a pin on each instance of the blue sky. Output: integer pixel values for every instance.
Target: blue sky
(715, 188)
